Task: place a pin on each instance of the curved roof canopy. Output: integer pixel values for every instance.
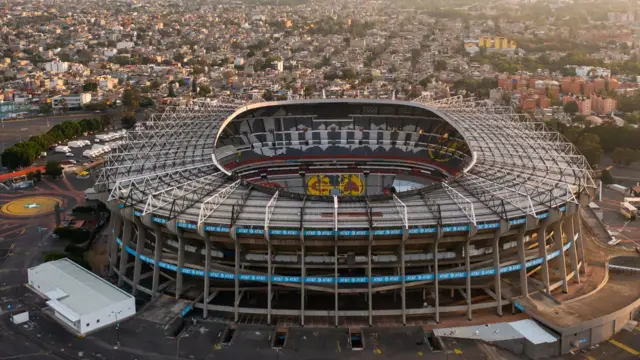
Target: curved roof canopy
(503, 166)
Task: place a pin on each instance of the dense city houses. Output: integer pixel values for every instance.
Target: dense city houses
(60, 56)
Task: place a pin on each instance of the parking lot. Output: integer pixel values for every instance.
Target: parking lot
(14, 131)
(626, 231)
(77, 152)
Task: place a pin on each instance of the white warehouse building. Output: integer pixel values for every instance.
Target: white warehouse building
(80, 299)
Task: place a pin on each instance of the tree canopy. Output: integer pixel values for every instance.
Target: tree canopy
(571, 108)
(131, 98)
(90, 86)
(53, 169)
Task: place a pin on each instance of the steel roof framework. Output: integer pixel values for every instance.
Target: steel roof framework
(519, 167)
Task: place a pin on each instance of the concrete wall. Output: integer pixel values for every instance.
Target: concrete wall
(38, 283)
(602, 332)
(607, 325)
(515, 346)
(107, 316)
(598, 333)
(541, 351)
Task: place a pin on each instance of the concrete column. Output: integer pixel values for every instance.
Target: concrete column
(577, 226)
(137, 266)
(124, 255)
(403, 293)
(573, 254)
(369, 272)
(467, 267)
(236, 301)
(436, 273)
(496, 266)
(269, 283)
(303, 274)
(335, 279)
(559, 260)
(524, 287)
(542, 252)
(207, 269)
(157, 257)
(116, 227)
(180, 266)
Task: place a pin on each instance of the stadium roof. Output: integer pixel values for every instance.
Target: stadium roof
(518, 167)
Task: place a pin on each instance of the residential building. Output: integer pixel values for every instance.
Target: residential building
(603, 106)
(57, 66)
(125, 45)
(73, 101)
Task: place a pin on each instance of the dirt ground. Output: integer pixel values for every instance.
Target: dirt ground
(97, 255)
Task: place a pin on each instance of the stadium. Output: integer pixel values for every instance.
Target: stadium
(345, 208)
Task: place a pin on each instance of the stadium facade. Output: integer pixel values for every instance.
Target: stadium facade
(345, 208)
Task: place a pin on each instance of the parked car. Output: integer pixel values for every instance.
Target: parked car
(69, 154)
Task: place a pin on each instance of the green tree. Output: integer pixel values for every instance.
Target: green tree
(90, 86)
(606, 177)
(625, 156)
(618, 155)
(309, 89)
(172, 91)
(348, 73)
(571, 108)
(131, 98)
(179, 58)
(53, 169)
(267, 95)
(415, 57)
(440, 65)
(589, 146)
(128, 121)
(426, 81)
(146, 102)
(204, 90)
(53, 256)
(63, 105)
(45, 108)
(414, 93)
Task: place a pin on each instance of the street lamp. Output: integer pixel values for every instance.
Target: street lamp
(117, 326)
(40, 231)
(178, 348)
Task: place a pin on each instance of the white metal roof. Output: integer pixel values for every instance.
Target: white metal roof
(532, 331)
(527, 329)
(85, 292)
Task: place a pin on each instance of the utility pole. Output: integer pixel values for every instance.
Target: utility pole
(117, 327)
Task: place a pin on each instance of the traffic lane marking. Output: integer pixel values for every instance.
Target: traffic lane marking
(625, 347)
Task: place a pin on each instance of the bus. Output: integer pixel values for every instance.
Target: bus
(628, 211)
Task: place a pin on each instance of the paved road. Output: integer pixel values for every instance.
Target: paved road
(13, 131)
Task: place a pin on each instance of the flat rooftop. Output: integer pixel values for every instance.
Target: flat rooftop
(76, 288)
(527, 328)
(620, 291)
